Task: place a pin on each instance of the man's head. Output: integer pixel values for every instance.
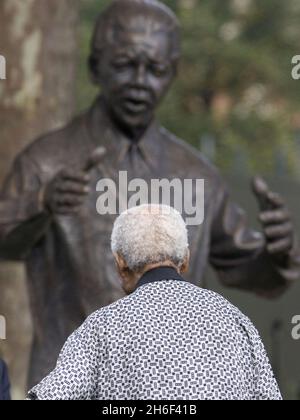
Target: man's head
(135, 50)
(147, 237)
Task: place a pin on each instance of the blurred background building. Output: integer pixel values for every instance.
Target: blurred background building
(234, 99)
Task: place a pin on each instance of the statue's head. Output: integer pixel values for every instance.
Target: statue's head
(135, 51)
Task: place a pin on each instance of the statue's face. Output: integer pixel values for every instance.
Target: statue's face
(135, 73)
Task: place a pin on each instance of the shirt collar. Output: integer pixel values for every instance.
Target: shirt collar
(99, 124)
(159, 274)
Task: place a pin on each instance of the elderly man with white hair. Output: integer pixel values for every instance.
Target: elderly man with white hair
(168, 339)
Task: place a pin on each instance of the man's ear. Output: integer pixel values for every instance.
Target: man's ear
(186, 264)
(121, 263)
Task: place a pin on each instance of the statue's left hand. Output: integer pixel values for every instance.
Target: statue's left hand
(276, 220)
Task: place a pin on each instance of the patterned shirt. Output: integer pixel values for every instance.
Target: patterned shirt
(169, 340)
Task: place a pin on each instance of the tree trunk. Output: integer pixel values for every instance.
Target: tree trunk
(38, 39)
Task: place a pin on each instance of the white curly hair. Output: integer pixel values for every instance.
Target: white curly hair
(150, 234)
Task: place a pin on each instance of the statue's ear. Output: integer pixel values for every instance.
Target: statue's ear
(93, 65)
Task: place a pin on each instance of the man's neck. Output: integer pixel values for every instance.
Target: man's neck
(150, 267)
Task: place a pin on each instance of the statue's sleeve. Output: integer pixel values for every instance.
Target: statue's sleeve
(239, 255)
(23, 220)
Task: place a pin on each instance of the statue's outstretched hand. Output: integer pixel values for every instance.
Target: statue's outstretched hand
(275, 219)
(68, 190)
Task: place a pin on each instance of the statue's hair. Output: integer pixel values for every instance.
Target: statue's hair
(150, 234)
(150, 15)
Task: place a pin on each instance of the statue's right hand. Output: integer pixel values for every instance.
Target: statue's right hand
(67, 191)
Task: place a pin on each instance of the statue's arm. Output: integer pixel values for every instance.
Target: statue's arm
(23, 218)
(240, 256)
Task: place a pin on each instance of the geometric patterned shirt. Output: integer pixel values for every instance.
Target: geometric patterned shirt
(168, 340)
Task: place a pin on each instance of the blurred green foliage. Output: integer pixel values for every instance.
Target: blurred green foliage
(234, 97)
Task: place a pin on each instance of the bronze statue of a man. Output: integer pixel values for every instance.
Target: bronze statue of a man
(48, 214)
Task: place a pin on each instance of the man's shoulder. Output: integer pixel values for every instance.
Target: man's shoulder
(218, 302)
(217, 306)
(201, 300)
(184, 290)
(103, 313)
